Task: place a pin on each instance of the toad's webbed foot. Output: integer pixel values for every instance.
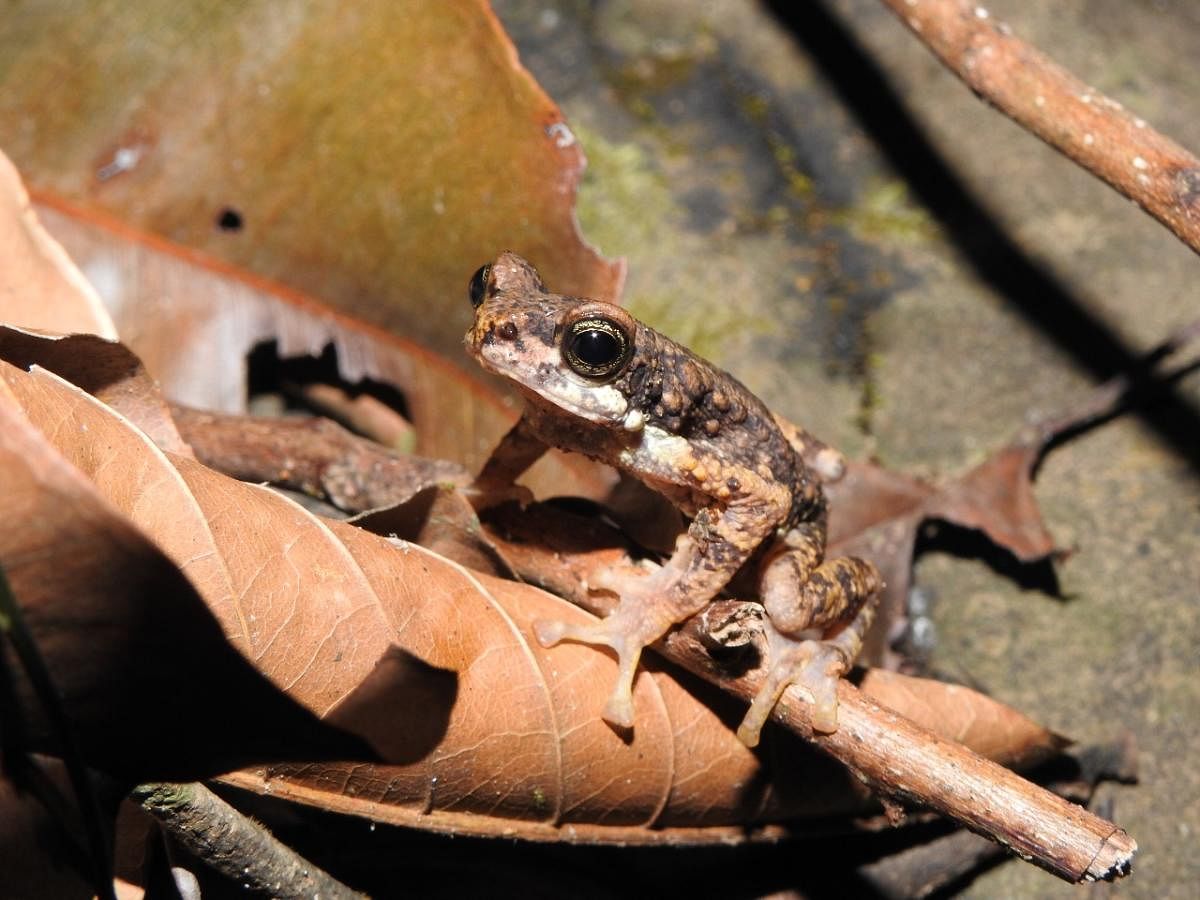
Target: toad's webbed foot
(844, 590)
(814, 667)
(644, 614)
(619, 710)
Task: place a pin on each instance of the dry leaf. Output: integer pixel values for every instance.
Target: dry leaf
(322, 608)
(196, 346)
(149, 683)
(374, 159)
(876, 513)
(102, 368)
(39, 285)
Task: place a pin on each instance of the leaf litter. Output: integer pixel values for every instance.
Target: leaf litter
(322, 607)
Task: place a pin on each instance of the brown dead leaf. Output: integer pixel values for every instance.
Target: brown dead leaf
(356, 628)
(374, 159)
(440, 519)
(876, 513)
(989, 728)
(196, 345)
(149, 683)
(102, 368)
(39, 285)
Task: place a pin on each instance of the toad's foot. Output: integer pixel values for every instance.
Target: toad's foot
(813, 666)
(619, 710)
(640, 619)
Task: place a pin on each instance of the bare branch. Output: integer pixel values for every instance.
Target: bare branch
(315, 456)
(1080, 122)
(234, 845)
(904, 761)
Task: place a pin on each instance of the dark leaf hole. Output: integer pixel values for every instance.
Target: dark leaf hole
(229, 219)
(295, 385)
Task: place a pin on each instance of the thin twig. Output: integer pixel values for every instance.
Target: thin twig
(312, 455)
(235, 846)
(1077, 120)
(904, 761)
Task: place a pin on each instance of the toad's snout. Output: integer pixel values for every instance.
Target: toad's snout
(488, 330)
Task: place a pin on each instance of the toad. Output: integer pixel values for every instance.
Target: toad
(598, 382)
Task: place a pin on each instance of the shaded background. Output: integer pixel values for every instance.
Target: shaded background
(804, 193)
(808, 198)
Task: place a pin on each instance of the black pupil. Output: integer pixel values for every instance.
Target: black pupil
(596, 347)
(478, 286)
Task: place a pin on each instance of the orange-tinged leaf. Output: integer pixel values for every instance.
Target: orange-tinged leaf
(373, 157)
(102, 368)
(197, 344)
(989, 728)
(132, 651)
(39, 285)
(875, 513)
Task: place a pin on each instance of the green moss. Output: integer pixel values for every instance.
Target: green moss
(705, 331)
(757, 108)
(869, 398)
(885, 211)
(651, 75)
(754, 107)
(622, 200)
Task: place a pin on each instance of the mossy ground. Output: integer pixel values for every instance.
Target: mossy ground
(764, 226)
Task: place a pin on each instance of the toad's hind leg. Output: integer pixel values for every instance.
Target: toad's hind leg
(801, 594)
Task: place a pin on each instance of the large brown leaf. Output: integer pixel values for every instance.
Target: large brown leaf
(193, 323)
(373, 157)
(133, 652)
(321, 608)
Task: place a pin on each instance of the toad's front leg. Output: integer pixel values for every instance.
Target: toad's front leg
(705, 558)
(818, 614)
(496, 483)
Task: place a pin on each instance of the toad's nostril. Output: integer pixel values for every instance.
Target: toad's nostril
(508, 331)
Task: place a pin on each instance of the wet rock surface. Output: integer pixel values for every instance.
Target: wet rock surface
(809, 199)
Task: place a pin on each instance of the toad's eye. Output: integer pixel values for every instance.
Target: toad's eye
(596, 347)
(478, 286)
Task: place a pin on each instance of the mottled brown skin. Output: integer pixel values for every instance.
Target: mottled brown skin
(694, 433)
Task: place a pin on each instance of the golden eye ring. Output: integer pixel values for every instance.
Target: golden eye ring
(597, 347)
